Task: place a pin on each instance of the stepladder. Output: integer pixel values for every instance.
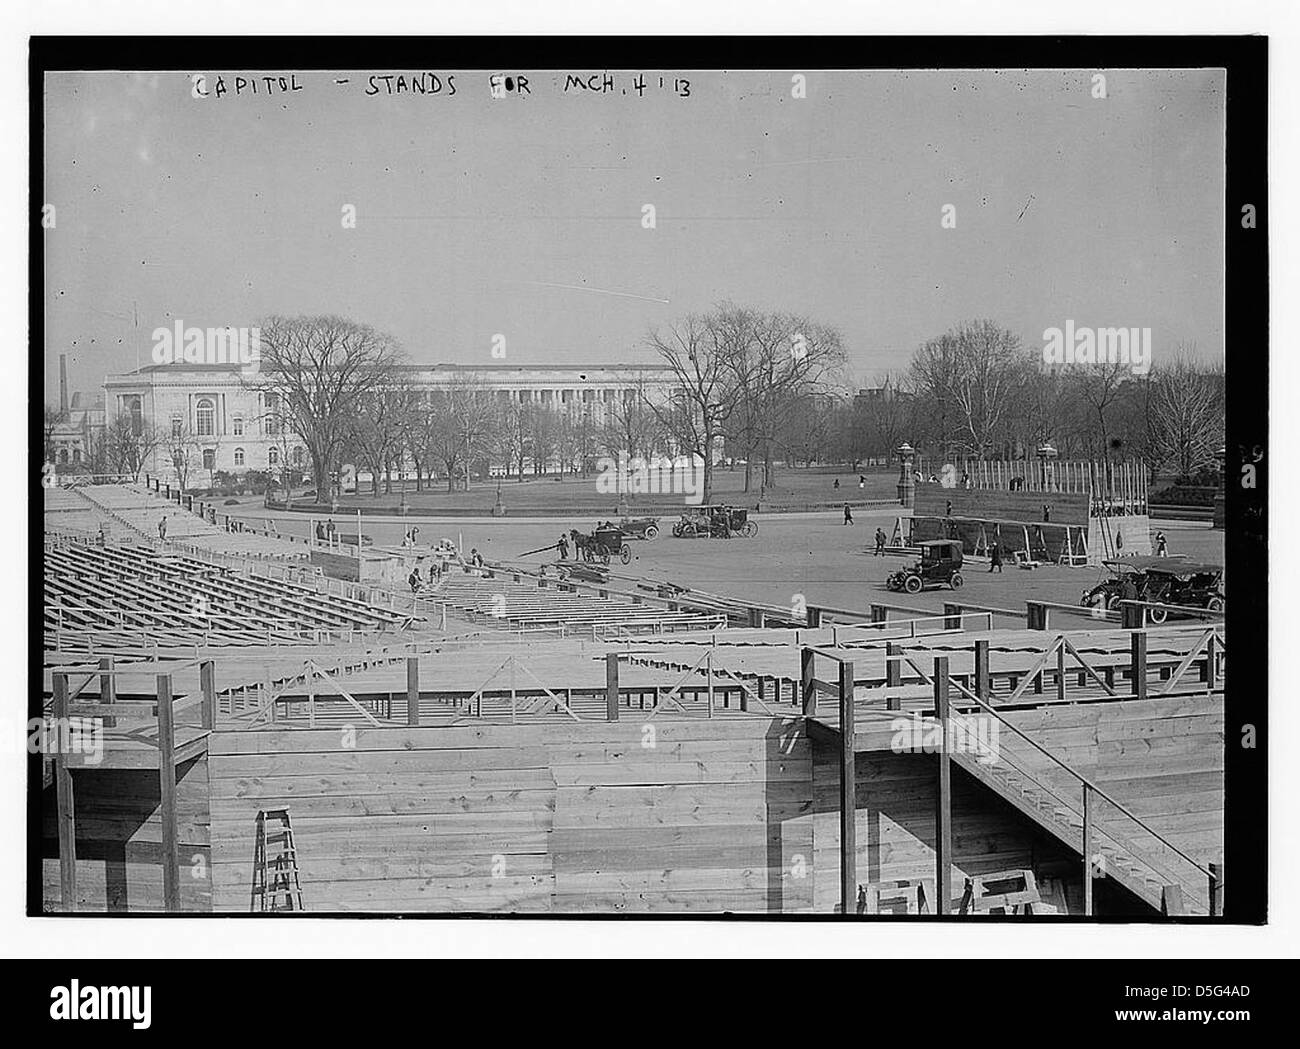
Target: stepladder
(276, 885)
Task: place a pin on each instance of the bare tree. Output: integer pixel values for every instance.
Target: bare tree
(127, 451)
(696, 351)
(460, 426)
(1187, 412)
(320, 368)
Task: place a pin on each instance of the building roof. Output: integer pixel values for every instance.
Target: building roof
(195, 369)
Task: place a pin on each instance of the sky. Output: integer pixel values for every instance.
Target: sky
(524, 216)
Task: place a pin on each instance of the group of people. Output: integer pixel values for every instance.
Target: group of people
(326, 531)
(443, 554)
(862, 482)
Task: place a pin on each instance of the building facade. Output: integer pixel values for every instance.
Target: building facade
(233, 422)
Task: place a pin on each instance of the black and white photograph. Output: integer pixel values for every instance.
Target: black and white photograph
(785, 482)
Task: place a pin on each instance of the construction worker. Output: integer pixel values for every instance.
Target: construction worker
(414, 580)
(562, 547)
(99, 539)
(162, 528)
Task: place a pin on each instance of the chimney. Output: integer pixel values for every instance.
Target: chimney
(63, 386)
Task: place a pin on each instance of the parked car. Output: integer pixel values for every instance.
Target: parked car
(940, 565)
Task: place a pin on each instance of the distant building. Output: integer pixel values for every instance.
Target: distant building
(236, 423)
(78, 428)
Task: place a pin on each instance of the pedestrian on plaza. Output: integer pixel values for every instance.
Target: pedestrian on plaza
(848, 514)
(837, 484)
(1162, 545)
(995, 557)
(880, 542)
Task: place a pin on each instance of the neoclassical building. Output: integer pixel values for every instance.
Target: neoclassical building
(233, 418)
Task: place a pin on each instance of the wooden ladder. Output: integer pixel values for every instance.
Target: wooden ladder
(276, 878)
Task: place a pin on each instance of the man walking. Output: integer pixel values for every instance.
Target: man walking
(848, 514)
(995, 557)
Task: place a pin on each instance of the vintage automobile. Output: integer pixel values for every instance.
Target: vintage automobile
(940, 565)
(1160, 581)
(717, 522)
(640, 527)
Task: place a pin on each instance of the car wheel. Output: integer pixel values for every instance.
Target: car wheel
(625, 555)
(652, 532)
(1159, 615)
(750, 530)
(912, 584)
(1215, 604)
(956, 581)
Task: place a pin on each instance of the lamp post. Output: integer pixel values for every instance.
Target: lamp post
(1046, 453)
(906, 482)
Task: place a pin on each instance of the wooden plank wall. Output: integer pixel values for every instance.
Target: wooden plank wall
(990, 504)
(896, 803)
(119, 840)
(633, 816)
(1161, 758)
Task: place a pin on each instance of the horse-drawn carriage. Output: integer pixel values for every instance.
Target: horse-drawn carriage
(716, 522)
(601, 545)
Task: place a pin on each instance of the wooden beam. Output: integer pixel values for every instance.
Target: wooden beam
(943, 816)
(1087, 850)
(611, 686)
(64, 797)
(808, 690)
(1138, 665)
(413, 690)
(1216, 890)
(208, 685)
(848, 795)
(167, 783)
(107, 687)
(982, 685)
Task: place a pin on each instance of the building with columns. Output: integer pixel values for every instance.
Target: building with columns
(232, 418)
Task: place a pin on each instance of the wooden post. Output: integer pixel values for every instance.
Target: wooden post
(1087, 850)
(1060, 670)
(943, 816)
(893, 667)
(708, 669)
(879, 614)
(63, 796)
(848, 795)
(108, 687)
(611, 686)
(167, 783)
(1211, 661)
(208, 685)
(951, 616)
(1138, 649)
(1036, 615)
(808, 689)
(310, 679)
(1216, 890)
(1133, 615)
(982, 684)
(813, 615)
(413, 690)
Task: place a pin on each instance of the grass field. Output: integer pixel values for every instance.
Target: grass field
(795, 488)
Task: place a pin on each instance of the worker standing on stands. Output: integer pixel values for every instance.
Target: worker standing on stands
(162, 528)
(414, 580)
(562, 548)
(99, 539)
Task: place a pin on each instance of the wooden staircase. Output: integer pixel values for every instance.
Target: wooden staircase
(1123, 847)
